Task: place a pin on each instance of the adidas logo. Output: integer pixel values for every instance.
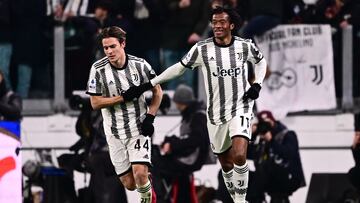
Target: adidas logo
(211, 59)
(245, 131)
(146, 156)
(111, 82)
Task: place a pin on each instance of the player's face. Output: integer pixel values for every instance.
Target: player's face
(221, 25)
(113, 49)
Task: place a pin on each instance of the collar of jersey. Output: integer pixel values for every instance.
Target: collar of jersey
(124, 66)
(227, 45)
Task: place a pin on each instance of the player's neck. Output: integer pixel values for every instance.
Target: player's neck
(119, 63)
(226, 41)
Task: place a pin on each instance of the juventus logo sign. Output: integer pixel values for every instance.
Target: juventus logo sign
(135, 77)
(239, 56)
(318, 70)
(241, 183)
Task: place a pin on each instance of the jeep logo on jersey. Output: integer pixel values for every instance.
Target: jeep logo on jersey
(232, 72)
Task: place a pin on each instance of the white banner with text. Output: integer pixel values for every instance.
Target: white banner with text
(300, 58)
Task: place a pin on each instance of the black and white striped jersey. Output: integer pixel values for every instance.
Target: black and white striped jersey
(121, 120)
(225, 74)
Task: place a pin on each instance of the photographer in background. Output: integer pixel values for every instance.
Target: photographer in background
(182, 155)
(275, 152)
(10, 102)
(91, 155)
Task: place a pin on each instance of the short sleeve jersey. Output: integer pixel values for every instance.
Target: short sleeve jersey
(121, 120)
(225, 71)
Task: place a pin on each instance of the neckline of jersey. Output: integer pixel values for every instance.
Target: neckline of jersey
(226, 45)
(124, 66)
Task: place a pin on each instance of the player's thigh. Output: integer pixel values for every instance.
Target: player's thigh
(119, 155)
(240, 125)
(219, 137)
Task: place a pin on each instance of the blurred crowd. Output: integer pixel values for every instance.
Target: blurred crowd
(158, 30)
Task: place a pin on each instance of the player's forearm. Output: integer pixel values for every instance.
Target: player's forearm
(172, 72)
(99, 102)
(156, 100)
(260, 71)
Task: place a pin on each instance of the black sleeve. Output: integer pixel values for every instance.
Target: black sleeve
(289, 147)
(197, 137)
(12, 110)
(355, 13)
(357, 122)
(356, 154)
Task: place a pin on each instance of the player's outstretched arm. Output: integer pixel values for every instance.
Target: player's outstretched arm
(98, 102)
(170, 73)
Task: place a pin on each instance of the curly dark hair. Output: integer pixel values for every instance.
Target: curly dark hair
(233, 15)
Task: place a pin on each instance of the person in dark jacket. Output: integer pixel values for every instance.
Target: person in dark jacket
(354, 173)
(10, 102)
(186, 153)
(260, 16)
(185, 22)
(7, 12)
(277, 161)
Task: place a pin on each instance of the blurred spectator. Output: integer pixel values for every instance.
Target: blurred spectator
(91, 155)
(83, 21)
(277, 161)
(260, 16)
(7, 9)
(148, 19)
(10, 102)
(354, 173)
(29, 50)
(184, 154)
(186, 21)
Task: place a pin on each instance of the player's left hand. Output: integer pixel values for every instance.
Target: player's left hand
(135, 91)
(147, 126)
(253, 92)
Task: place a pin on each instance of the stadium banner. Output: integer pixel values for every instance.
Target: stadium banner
(300, 58)
(10, 163)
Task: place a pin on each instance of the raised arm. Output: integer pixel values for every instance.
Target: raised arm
(170, 73)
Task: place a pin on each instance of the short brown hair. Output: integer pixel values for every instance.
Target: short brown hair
(112, 31)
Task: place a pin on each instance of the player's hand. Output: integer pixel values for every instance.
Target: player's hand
(253, 92)
(135, 91)
(147, 126)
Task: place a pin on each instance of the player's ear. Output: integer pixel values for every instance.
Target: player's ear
(232, 26)
(123, 43)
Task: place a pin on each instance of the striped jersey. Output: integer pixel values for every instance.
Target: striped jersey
(121, 120)
(225, 72)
